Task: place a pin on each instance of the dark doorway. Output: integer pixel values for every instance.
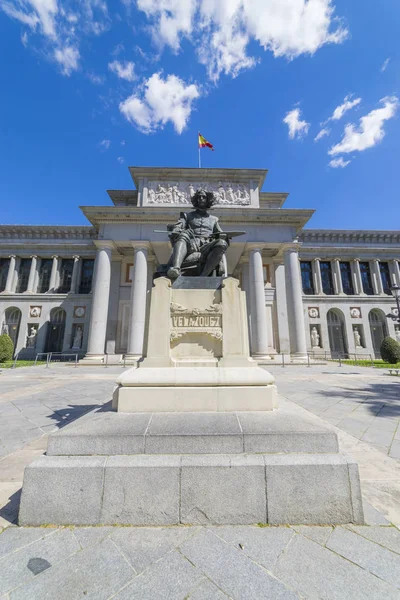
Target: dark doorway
(336, 332)
(55, 335)
(378, 327)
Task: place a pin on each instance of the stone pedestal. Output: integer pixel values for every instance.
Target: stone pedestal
(197, 354)
(192, 468)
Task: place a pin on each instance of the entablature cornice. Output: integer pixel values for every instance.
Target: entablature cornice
(346, 237)
(296, 218)
(47, 232)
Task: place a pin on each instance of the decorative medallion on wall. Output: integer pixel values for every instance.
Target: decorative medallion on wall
(35, 311)
(313, 312)
(173, 192)
(355, 312)
(79, 311)
(395, 311)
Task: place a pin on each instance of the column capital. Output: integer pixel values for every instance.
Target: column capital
(54, 256)
(33, 256)
(316, 259)
(290, 247)
(104, 244)
(12, 256)
(140, 245)
(76, 257)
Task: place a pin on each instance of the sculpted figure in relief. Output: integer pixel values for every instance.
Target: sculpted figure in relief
(397, 332)
(31, 338)
(314, 338)
(357, 338)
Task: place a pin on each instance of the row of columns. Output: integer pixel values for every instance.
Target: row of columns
(261, 345)
(33, 280)
(356, 276)
(101, 298)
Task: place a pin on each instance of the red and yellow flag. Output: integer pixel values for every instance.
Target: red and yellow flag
(203, 143)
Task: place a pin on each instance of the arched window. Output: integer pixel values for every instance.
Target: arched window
(379, 330)
(11, 323)
(337, 333)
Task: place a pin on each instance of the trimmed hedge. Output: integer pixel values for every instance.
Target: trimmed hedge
(6, 348)
(390, 350)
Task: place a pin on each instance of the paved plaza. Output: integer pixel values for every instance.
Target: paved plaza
(362, 405)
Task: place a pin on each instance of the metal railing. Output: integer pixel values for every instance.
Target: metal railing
(57, 356)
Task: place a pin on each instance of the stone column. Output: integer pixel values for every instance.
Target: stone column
(100, 300)
(298, 343)
(138, 304)
(337, 277)
(259, 335)
(75, 272)
(11, 274)
(395, 272)
(32, 275)
(356, 273)
(376, 277)
(53, 274)
(316, 270)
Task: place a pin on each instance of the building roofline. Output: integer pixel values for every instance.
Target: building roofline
(195, 173)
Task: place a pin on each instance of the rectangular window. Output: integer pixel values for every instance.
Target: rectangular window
(366, 278)
(4, 264)
(67, 265)
(326, 276)
(307, 278)
(347, 282)
(85, 286)
(23, 275)
(44, 275)
(385, 276)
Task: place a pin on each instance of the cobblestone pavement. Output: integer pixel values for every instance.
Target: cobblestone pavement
(200, 563)
(205, 562)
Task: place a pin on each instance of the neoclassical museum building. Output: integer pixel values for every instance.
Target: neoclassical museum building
(86, 289)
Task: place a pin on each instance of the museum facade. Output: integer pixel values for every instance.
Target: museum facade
(86, 289)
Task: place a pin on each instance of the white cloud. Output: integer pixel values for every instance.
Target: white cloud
(159, 101)
(68, 59)
(34, 13)
(297, 127)
(121, 160)
(339, 163)
(370, 130)
(324, 132)
(96, 79)
(123, 70)
(61, 27)
(385, 65)
(222, 30)
(343, 108)
(24, 39)
(105, 144)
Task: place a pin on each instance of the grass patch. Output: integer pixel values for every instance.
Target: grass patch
(379, 364)
(21, 363)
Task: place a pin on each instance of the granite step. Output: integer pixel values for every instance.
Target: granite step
(110, 434)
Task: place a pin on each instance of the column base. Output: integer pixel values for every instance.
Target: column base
(92, 359)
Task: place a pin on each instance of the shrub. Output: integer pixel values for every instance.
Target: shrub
(6, 348)
(390, 350)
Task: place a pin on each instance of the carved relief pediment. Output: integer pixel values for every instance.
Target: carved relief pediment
(173, 192)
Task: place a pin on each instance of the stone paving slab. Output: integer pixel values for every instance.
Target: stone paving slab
(200, 563)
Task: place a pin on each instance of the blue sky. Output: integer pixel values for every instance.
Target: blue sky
(92, 86)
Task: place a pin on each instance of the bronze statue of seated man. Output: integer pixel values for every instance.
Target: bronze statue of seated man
(198, 241)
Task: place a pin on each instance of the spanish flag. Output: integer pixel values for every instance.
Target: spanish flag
(203, 143)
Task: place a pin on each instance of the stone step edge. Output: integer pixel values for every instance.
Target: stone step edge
(86, 444)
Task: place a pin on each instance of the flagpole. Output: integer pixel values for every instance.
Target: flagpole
(198, 135)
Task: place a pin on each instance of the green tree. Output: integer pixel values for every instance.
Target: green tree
(6, 348)
(390, 350)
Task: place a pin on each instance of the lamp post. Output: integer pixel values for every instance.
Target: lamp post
(395, 289)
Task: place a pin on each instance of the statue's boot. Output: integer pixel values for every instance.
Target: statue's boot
(173, 273)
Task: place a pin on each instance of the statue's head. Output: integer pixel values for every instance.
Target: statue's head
(202, 199)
